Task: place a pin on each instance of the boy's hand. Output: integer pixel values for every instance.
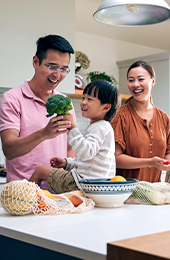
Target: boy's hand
(69, 118)
(58, 162)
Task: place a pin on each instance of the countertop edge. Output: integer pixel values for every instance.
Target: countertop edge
(51, 245)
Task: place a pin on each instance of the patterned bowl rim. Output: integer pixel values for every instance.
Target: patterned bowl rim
(107, 181)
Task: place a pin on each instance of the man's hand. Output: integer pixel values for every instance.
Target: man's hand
(56, 126)
(13, 145)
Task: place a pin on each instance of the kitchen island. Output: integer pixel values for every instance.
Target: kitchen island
(82, 236)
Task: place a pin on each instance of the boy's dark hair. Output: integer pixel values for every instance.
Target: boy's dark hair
(54, 42)
(107, 93)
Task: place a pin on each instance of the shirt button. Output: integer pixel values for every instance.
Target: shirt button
(151, 136)
(151, 130)
(150, 144)
(149, 166)
(150, 151)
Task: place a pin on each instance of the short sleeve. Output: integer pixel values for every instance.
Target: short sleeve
(118, 126)
(9, 112)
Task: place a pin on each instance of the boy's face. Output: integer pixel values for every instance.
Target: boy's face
(92, 108)
(50, 78)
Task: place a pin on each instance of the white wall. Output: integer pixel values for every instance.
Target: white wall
(22, 22)
(82, 122)
(103, 53)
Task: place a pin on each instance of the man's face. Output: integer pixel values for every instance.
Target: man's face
(49, 77)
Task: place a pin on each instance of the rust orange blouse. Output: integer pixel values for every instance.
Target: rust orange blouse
(137, 140)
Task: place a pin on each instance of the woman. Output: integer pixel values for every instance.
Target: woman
(142, 131)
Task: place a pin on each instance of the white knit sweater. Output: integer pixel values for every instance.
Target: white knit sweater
(95, 151)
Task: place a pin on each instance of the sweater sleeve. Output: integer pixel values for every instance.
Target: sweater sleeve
(70, 163)
(86, 147)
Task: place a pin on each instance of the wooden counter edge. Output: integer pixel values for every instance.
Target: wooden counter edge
(150, 247)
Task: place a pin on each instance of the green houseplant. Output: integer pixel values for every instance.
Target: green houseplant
(96, 75)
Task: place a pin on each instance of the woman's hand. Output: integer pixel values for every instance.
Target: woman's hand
(161, 164)
(58, 162)
(124, 161)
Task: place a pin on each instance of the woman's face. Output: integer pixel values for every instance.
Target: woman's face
(140, 84)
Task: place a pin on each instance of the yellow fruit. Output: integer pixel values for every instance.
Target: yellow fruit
(48, 194)
(42, 205)
(18, 197)
(118, 178)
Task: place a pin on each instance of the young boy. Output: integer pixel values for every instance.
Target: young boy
(95, 150)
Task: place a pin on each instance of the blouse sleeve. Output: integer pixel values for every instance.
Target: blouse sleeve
(118, 125)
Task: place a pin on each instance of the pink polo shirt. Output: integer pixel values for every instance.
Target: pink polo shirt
(20, 109)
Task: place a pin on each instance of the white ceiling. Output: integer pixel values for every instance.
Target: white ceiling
(156, 36)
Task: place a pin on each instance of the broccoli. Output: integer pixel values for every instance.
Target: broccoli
(58, 104)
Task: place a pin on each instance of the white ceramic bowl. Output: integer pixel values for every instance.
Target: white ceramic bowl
(108, 194)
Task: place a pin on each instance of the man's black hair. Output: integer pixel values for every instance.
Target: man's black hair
(54, 42)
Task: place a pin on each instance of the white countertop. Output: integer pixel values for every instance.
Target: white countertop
(86, 235)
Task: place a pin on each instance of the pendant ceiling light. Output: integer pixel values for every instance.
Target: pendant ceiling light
(132, 12)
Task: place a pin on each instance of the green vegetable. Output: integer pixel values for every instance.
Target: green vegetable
(146, 192)
(58, 104)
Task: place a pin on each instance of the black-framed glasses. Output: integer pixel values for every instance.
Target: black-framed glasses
(63, 71)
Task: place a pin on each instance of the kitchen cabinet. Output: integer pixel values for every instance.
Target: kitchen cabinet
(78, 94)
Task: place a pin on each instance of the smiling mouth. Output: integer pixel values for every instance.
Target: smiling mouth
(53, 81)
(83, 109)
(137, 91)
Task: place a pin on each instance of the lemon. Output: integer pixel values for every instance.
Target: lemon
(118, 178)
(48, 194)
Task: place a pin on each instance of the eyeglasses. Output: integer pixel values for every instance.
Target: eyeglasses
(63, 71)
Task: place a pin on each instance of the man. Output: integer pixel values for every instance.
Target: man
(29, 138)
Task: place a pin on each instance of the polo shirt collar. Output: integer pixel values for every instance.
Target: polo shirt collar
(30, 94)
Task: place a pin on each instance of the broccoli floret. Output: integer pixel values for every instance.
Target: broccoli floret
(58, 104)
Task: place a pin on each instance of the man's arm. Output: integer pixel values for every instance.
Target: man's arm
(14, 146)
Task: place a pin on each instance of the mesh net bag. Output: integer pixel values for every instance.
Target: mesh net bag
(156, 193)
(23, 197)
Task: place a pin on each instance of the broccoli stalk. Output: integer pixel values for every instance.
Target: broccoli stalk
(58, 104)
